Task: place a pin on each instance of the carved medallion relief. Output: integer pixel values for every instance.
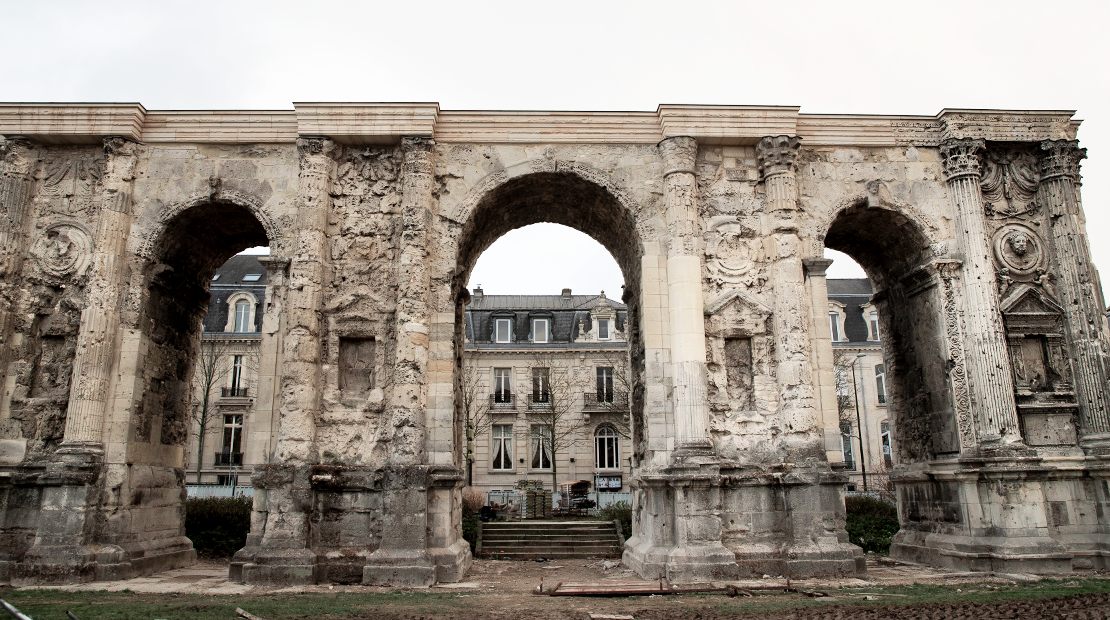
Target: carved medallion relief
(732, 254)
(63, 250)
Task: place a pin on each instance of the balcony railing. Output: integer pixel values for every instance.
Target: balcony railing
(539, 401)
(503, 401)
(613, 401)
(229, 459)
(233, 392)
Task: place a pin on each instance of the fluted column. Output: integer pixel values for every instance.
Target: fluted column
(100, 319)
(988, 364)
(16, 186)
(410, 370)
(687, 316)
(800, 416)
(1078, 285)
(308, 277)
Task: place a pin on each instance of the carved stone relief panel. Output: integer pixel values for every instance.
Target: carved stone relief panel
(1019, 253)
(733, 255)
(63, 250)
(1009, 181)
(71, 181)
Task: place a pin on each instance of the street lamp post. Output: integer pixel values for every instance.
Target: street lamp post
(859, 424)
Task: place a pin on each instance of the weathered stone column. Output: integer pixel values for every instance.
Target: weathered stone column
(988, 364)
(686, 306)
(1079, 290)
(284, 494)
(824, 379)
(100, 319)
(402, 559)
(776, 155)
(16, 186)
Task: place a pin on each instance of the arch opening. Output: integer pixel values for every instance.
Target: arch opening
(893, 250)
(569, 200)
(189, 250)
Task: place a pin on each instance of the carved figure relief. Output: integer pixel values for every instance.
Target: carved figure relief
(63, 250)
(1009, 181)
(1019, 253)
(70, 182)
(732, 254)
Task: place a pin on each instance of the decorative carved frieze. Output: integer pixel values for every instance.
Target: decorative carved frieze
(1009, 181)
(961, 157)
(1061, 158)
(777, 154)
(948, 273)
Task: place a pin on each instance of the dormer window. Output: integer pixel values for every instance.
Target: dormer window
(834, 325)
(540, 330)
(603, 329)
(502, 330)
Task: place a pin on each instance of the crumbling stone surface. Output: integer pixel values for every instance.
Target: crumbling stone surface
(968, 224)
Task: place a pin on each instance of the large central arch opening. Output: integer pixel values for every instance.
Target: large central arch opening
(569, 200)
(893, 250)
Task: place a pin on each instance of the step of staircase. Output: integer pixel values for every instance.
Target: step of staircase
(554, 540)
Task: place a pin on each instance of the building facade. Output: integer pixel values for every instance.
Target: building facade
(225, 382)
(861, 387)
(969, 224)
(551, 376)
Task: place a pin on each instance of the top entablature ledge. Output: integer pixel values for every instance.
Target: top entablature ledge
(385, 123)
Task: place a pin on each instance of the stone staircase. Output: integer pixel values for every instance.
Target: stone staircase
(554, 540)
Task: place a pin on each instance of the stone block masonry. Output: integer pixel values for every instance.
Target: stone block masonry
(969, 223)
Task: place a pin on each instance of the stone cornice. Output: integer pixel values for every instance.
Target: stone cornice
(385, 124)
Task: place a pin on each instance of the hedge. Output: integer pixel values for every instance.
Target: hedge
(872, 523)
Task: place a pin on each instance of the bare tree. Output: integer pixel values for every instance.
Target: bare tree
(616, 397)
(476, 407)
(217, 360)
(554, 427)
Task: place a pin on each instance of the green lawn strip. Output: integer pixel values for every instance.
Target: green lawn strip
(52, 604)
(48, 604)
(921, 594)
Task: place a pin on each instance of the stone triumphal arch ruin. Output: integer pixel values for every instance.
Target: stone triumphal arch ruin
(969, 223)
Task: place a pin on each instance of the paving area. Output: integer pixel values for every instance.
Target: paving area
(522, 577)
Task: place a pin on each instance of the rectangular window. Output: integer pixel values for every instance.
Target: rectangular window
(539, 330)
(503, 329)
(887, 457)
(502, 446)
(604, 385)
(233, 434)
(874, 321)
(242, 316)
(880, 382)
(541, 446)
(252, 277)
(541, 385)
(356, 366)
(603, 329)
(502, 382)
(846, 444)
(834, 325)
(236, 373)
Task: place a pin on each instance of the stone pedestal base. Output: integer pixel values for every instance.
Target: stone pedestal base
(293, 567)
(1037, 555)
(400, 569)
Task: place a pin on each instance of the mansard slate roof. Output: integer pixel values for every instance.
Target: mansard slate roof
(565, 313)
(853, 293)
(230, 280)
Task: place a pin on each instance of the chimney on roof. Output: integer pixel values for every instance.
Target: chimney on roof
(566, 293)
(477, 294)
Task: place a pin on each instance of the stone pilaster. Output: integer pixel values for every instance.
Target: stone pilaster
(284, 493)
(776, 155)
(824, 380)
(402, 558)
(100, 320)
(16, 188)
(687, 316)
(988, 364)
(1078, 286)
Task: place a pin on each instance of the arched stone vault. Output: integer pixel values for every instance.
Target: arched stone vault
(968, 222)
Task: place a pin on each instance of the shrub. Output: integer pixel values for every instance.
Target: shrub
(470, 525)
(218, 526)
(619, 511)
(872, 523)
(472, 500)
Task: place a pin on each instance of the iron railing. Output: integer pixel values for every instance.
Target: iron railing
(598, 401)
(539, 401)
(502, 401)
(233, 392)
(229, 459)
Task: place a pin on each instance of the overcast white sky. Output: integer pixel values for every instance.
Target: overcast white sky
(829, 57)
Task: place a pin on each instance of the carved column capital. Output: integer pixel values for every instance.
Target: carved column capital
(777, 154)
(816, 267)
(17, 156)
(679, 154)
(309, 149)
(1060, 158)
(418, 155)
(962, 157)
